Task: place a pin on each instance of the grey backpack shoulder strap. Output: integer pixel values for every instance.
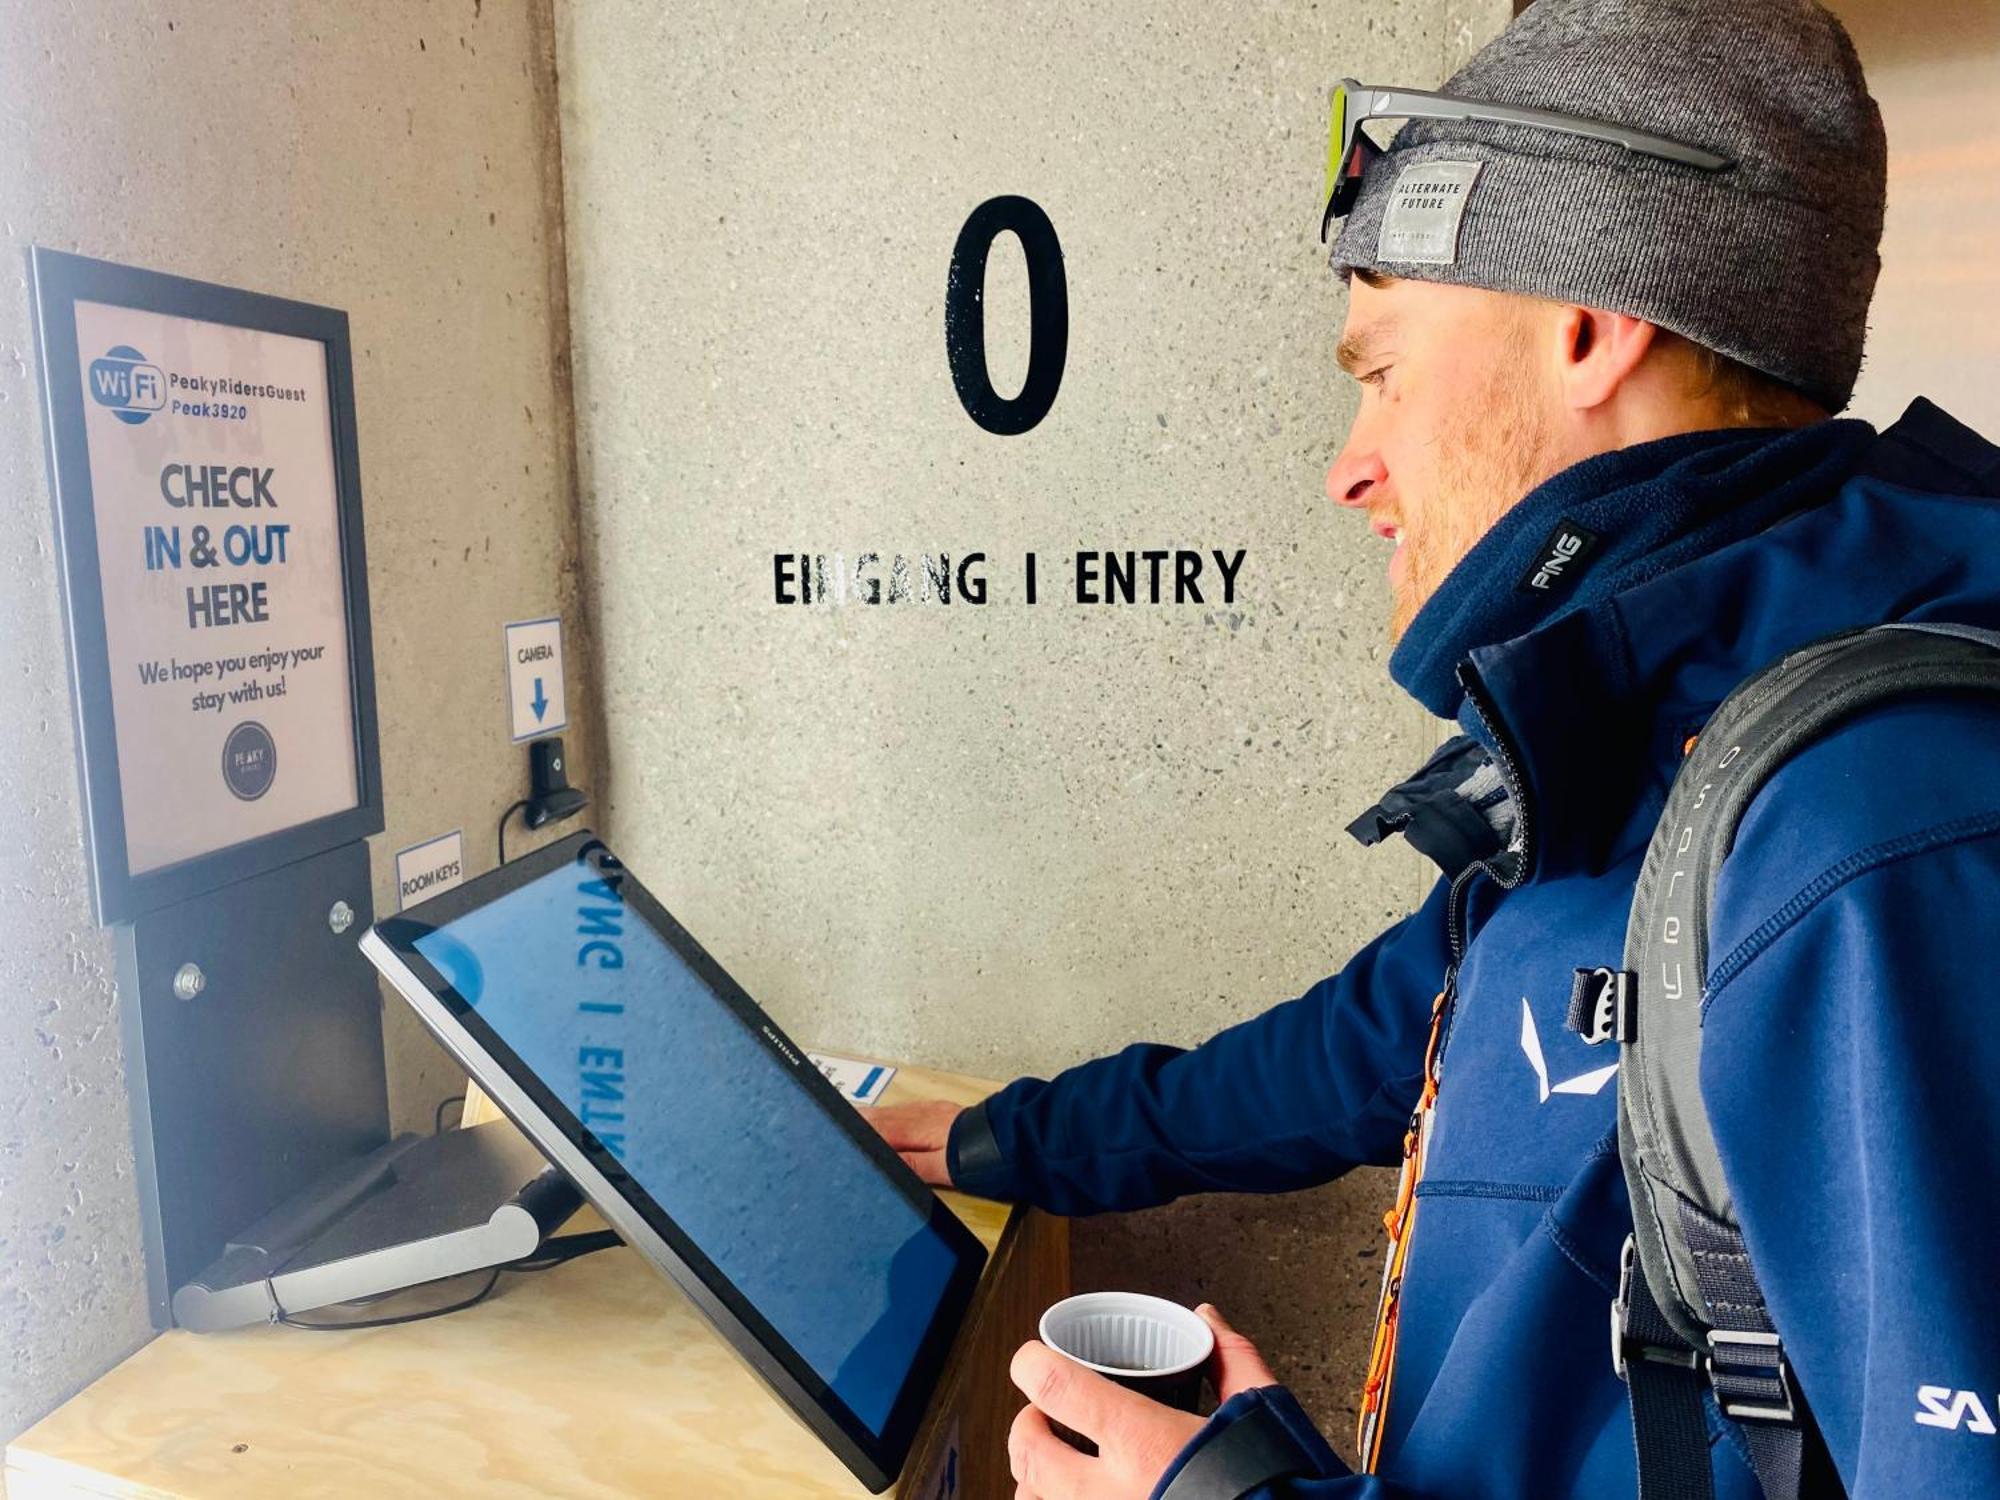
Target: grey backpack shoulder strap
(1694, 1314)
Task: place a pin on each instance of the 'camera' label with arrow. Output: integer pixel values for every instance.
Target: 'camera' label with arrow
(535, 679)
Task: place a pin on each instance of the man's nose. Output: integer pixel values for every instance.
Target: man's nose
(1355, 475)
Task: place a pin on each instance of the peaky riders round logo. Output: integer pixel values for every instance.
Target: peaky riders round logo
(249, 760)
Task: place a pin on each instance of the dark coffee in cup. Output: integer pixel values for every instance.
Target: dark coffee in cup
(1146, 1344)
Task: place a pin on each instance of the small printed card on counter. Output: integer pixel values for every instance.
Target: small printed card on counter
(862, 1082)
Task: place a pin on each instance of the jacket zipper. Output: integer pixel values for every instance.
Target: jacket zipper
(1504, 873)
(1510, 777)
(1400, 1221)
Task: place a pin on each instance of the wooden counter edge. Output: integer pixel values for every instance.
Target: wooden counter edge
(974, 1399)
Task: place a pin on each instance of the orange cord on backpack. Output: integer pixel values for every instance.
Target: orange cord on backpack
(1397, 1221)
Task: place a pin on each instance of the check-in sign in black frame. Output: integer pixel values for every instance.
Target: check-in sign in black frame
(61, 281)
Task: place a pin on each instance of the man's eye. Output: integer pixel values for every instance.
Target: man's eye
(1374, 376)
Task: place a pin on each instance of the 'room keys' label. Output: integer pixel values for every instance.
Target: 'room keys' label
(425, 869)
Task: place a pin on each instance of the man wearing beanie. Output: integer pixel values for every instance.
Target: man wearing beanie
(1608, 293)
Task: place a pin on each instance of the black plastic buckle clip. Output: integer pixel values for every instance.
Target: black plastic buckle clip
(1603, 1005)
(1624, 1347)
(1750, 1376)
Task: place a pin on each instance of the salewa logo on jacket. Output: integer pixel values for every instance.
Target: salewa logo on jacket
(1941, 1406)
(1531, 1043)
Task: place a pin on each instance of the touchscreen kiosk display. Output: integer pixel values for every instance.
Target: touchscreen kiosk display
(705, 1118)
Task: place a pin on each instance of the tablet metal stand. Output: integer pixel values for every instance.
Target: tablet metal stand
(266, 1173)
(420, 1208)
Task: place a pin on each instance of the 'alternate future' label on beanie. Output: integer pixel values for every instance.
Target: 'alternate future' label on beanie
(1420, 225)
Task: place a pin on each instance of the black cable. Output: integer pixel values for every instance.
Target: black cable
(503, 826)
(436, 1312)
(437, 1116)
(565, 1248)
(559, 1251)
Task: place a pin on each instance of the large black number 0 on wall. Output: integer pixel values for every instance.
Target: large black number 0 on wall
(965, 315)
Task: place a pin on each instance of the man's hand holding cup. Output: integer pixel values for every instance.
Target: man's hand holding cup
(1113, 1385)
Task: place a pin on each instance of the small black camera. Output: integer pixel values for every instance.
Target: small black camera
(550, 796)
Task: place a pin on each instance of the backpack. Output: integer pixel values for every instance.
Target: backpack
(1689, 1314)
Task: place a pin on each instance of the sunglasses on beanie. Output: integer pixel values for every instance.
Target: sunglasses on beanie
(1349, 150)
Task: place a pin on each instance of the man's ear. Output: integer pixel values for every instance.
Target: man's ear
(1596, 352)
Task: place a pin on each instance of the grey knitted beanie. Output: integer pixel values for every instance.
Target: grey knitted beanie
(1771, 261)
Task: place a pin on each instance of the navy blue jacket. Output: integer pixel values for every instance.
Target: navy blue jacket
(1851, 1061)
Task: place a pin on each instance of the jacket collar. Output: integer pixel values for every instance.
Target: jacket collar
(1723, 557)
(1630, 514)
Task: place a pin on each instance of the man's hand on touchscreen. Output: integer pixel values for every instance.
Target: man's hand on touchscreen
(917, 1132)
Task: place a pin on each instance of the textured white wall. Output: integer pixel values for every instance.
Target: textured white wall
(1004, 837)
(998, 839)
(392, 159)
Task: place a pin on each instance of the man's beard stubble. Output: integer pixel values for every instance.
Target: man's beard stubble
(1494, 450)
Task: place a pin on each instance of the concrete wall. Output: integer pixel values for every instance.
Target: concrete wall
(1005, 838)
(397, 161)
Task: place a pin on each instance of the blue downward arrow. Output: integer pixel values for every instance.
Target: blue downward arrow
(538, 703)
